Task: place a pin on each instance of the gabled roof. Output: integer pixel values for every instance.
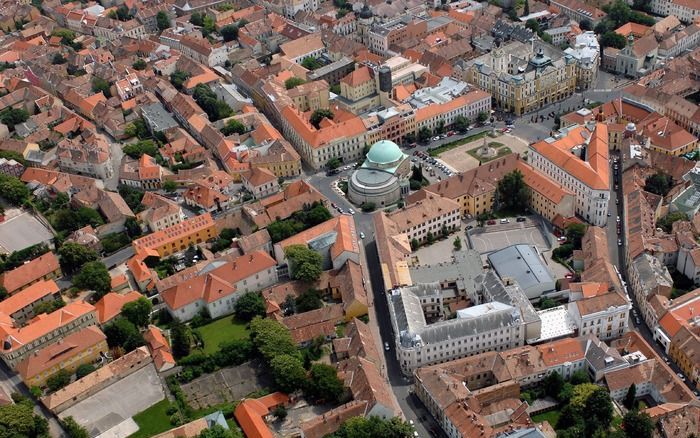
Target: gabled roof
(110, 305)
(30, 271)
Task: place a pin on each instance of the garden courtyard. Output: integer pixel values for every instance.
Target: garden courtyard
(463, 158)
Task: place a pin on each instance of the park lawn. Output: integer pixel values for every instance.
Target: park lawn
(502, 151)
(551, 416)
(153, 420)
(221, 330)
(446, 147)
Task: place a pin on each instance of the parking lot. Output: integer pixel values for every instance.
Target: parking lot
(491, 238)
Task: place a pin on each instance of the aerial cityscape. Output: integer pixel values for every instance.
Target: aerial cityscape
(349, 219)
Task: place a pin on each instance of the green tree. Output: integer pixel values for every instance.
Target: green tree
(13, 116)
(271, 338)
(430, 238)
(233, 126)
(48, 306)
(599, 411)
(323, 384)
(3, 293)
(666, 222)
(567, 391)
(140, 64)
(424, 134)
(461, 124)
(170, 186)
(217, 431)
(123, 333)
(13, 190)
(58, 380)
(318, 115)
(288, 372)
(512, 192)
(373, 426)
(630, 397)
(179, 77)
(216, 109)
(526, 8)
(334, 163)
(293, 82)
(58, 59)
(229, 32)
(83, 370)
(553, 384)
(613, 39)
(280, 412)
(457, 243)
(234, 352)
(579, 377)
(94, 276)
(162, 20)
(659, 183)
(533, 25)
(637, 425)
(18, 420)
(311, 63)
(482, 117)
(414, 244)
(440, 127)
(197, 19)
(305, 263)
(73, 429)
(136, 150)
(547, 303)
(249, 306)
(100, 85)
(581, 394)
(308, 300)
(138, 312)
(123, 13)
(574, 234)
(586, 24)
(181, 337)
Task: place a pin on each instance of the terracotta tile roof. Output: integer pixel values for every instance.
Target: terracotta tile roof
(358, 77)
(600, 303)
(71, 346)
(345, 240)
(594, 172)
(110, 305)
(43, 324)
(542, 184)
(30, 271)
(187, 430)
(301, 46)
(217, 283)
(250, 414)
(430, 111)
(424, 206)
(562, 351)
(25, 297)
(174, 232)
(330, 421)
(330, 132)
(259, 176)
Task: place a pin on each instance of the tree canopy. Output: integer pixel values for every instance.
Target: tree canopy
(162, 20)
(73, 429)
(13, 116)
(293, 82)
(300, 220)
(249, 306)
(637, 425)
(216, 109)
(305, 263)
(323, 384)
(271, 338)
(123, 333)
(233, 126)
(100, 85)
(13, 190)
(320, 114)
(94, 276)
(18, 421)
(373, 427)
(138, 312)
(288, 372)
(181, 337)
(308, 300)
(229, 32)
(179, 77)
(512, 192)
(659, 183)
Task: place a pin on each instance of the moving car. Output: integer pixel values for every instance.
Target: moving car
(619, 242)
(362, 235)
(386, 346)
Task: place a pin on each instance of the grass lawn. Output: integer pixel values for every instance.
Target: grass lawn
(446, 147)
(551, 417)
(221, 330)
(153, 420)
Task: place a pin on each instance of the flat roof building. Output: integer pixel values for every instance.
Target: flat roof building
(523, 264)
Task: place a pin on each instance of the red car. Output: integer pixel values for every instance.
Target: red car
(491, 222)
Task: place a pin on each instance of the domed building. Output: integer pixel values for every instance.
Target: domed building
(383, 177)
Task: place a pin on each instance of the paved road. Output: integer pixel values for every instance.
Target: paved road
(118, 257)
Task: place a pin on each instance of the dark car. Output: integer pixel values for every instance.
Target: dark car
(491, 222)
(520, 219)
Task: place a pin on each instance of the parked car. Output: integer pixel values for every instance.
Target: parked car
(569, 276)
(491, 222)
(351, 211)
(362, 235)
(619, 242)
(681, 376)
(520, 219)
(504, 221)
(386, 346)
(469, 227)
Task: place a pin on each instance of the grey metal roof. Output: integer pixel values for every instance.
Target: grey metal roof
(521, 263)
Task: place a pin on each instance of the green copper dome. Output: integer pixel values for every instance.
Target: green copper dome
(384, 152)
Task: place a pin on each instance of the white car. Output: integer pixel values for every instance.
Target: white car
(351, 211)
(362, 235)
(386, 346)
